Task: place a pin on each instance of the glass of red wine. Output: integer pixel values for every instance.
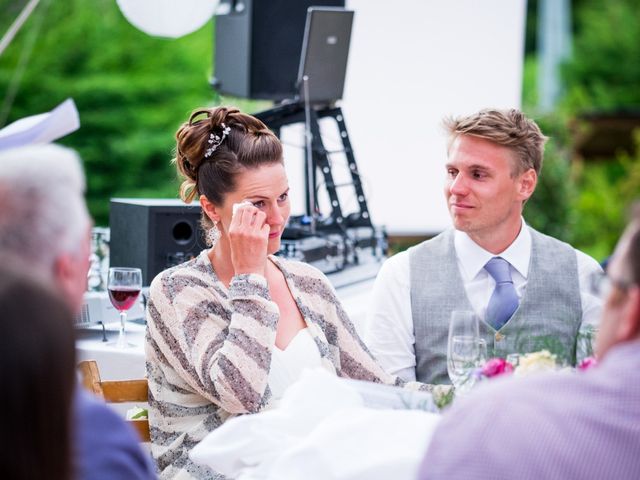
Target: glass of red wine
(124, 285)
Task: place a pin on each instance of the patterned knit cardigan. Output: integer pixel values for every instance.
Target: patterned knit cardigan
(208, 351)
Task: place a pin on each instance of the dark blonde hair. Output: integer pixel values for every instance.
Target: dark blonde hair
(509, 128)
(249, 144)
(37, 354)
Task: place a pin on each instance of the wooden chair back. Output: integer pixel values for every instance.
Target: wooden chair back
(117, 392)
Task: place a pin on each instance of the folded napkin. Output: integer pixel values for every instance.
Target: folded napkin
(321, 430)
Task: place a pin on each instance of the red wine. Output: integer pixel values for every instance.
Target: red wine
(123, 298)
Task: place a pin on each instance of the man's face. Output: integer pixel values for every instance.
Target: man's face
(482, 195)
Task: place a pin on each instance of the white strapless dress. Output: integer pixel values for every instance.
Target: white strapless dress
(287, 365)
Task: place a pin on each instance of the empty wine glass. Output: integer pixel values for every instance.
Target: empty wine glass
(466, 350)
(124, 285)
(482, 346)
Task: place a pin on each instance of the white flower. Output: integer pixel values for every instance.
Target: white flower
(542, 361)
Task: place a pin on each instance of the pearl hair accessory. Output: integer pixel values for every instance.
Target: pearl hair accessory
(215, 140)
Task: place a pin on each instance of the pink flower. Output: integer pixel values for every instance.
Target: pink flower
(587, 363)
(496, 366)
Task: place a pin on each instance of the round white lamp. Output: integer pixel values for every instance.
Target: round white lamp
(168, 18)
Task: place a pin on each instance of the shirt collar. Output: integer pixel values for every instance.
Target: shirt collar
(473, 257)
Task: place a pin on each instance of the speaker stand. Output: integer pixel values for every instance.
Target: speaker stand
(292, 113)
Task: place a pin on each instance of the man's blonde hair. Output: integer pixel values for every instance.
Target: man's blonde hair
(509, 128)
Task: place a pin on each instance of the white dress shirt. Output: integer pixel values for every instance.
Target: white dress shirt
(389, 326)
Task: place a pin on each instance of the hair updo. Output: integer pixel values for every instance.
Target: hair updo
(248, 144)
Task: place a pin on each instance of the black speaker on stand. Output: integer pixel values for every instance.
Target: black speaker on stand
(153, 234)
(258, 45)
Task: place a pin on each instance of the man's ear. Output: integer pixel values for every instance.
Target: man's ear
(629, 326)
(527, 183)
(209, 209)
(64, 273)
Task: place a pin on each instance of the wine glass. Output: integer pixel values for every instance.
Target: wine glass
(124, 285)
(465, 349)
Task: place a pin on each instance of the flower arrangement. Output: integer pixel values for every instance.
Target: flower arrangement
(517, 365)
(443, 395)
(542, 361)
(527, 364)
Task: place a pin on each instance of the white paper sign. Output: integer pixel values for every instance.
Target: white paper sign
(41, 128)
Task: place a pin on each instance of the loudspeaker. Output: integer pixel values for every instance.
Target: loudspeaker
(258, 45)
(153, 234)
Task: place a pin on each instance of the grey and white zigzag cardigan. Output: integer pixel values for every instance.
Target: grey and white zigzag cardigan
(208, 351)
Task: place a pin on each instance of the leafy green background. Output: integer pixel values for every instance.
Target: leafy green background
(585, 202)
(133, 90)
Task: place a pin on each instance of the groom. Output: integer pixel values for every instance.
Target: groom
(530, 290)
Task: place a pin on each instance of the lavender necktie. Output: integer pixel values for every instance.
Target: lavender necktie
(504, 300)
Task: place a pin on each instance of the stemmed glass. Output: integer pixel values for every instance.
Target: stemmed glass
(124, 285)
(465, 349)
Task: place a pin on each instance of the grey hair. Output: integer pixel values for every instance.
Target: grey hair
(42, 209)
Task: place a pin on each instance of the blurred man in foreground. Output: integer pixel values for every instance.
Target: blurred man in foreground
(45, 225)
(582, 425)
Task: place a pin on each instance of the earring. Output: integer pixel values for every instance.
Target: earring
(213, 235)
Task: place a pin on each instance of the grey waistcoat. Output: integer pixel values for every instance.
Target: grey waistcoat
(548, 317)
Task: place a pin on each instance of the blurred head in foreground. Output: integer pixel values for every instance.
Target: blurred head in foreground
(621, 312)
(37, 356)
(43, 216)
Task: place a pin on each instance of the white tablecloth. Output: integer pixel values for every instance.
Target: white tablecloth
(114, 363)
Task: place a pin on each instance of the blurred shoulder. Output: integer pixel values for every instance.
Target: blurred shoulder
(92, 415)
(104, 445)
(92, 412)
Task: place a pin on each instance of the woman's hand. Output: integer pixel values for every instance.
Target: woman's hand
(248, 238)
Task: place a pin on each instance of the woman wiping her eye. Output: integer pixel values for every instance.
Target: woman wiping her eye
(230, 330)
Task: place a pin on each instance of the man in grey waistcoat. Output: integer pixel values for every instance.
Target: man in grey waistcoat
(530, 291)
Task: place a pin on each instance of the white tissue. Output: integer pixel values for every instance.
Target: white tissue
(236, 206)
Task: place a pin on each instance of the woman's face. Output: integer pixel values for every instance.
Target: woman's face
(267, 188)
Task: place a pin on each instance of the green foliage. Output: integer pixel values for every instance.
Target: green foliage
(530, 83)
(550, 209)
(604, 71)
(606, 188)
(585, 203)
(132, 91)
(531, 27)
(603, 75)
